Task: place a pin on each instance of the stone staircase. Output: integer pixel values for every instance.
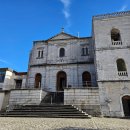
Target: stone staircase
(46, 110)
(51, 107)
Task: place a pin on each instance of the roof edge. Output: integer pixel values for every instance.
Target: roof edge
(111, 15)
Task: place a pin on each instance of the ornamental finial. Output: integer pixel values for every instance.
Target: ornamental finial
(62, 29)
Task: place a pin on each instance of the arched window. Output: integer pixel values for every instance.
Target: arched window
(62, 52)
(115, 35)
(38, 78)
(121, 65)
(86, 79)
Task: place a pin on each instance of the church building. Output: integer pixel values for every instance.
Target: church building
(90, 73)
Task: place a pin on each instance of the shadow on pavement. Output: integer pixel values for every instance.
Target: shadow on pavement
(74, 128)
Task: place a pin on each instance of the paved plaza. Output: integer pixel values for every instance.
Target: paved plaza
(9, 123)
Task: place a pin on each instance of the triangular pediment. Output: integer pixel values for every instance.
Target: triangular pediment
(61, 36)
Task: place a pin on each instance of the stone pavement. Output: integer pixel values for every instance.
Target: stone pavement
(9, 123)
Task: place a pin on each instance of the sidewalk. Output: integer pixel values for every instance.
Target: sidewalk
(9, 123)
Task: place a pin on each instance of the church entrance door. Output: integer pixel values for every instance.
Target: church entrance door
(126, 105)
(61, 84)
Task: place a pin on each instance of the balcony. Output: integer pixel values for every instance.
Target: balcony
(122, 73)
(116, 42)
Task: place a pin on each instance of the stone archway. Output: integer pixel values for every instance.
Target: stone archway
(126, 105)
(38, 78)
(61, 80)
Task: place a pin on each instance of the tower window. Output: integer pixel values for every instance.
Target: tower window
(116, 37)
(121, 67)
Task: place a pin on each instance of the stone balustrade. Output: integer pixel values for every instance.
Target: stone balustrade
(122, 73)
(116, 42)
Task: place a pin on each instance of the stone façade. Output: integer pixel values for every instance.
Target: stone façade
(108, 86)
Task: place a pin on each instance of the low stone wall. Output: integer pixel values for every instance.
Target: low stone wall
(86, 99)
(26, 97)
(2, 94)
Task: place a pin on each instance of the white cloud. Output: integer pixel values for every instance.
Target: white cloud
(66, 3)
(3, 61)
(66, 12)
(123, 8)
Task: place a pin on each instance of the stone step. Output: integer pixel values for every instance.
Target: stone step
(41, 112)
(51, 110)
(55, 110)
(47, 116)
(44, 108)
(49, 105)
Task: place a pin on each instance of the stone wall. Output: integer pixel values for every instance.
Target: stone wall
(9, 82)
(111, 94)
(2, 94)
(26, 97)
(86, 99)
(73, 51)
(49, 75)
(112, 85)
(73, 63)
(107, 54)
(5, 100)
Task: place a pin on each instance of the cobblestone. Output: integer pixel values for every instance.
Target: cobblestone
(9, 123)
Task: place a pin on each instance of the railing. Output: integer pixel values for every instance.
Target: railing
(122, 73)
(111, 15)
(85, 84)
(53, 98)
(81, 85)
(18, 86)
(116, 42)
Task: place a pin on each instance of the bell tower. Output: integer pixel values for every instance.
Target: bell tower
(111, 34)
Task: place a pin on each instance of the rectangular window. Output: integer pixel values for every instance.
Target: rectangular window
(40, 54)
(18, 84)
(2, 76)
(84, 51)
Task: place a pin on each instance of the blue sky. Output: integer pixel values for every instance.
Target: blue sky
(24, 21)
